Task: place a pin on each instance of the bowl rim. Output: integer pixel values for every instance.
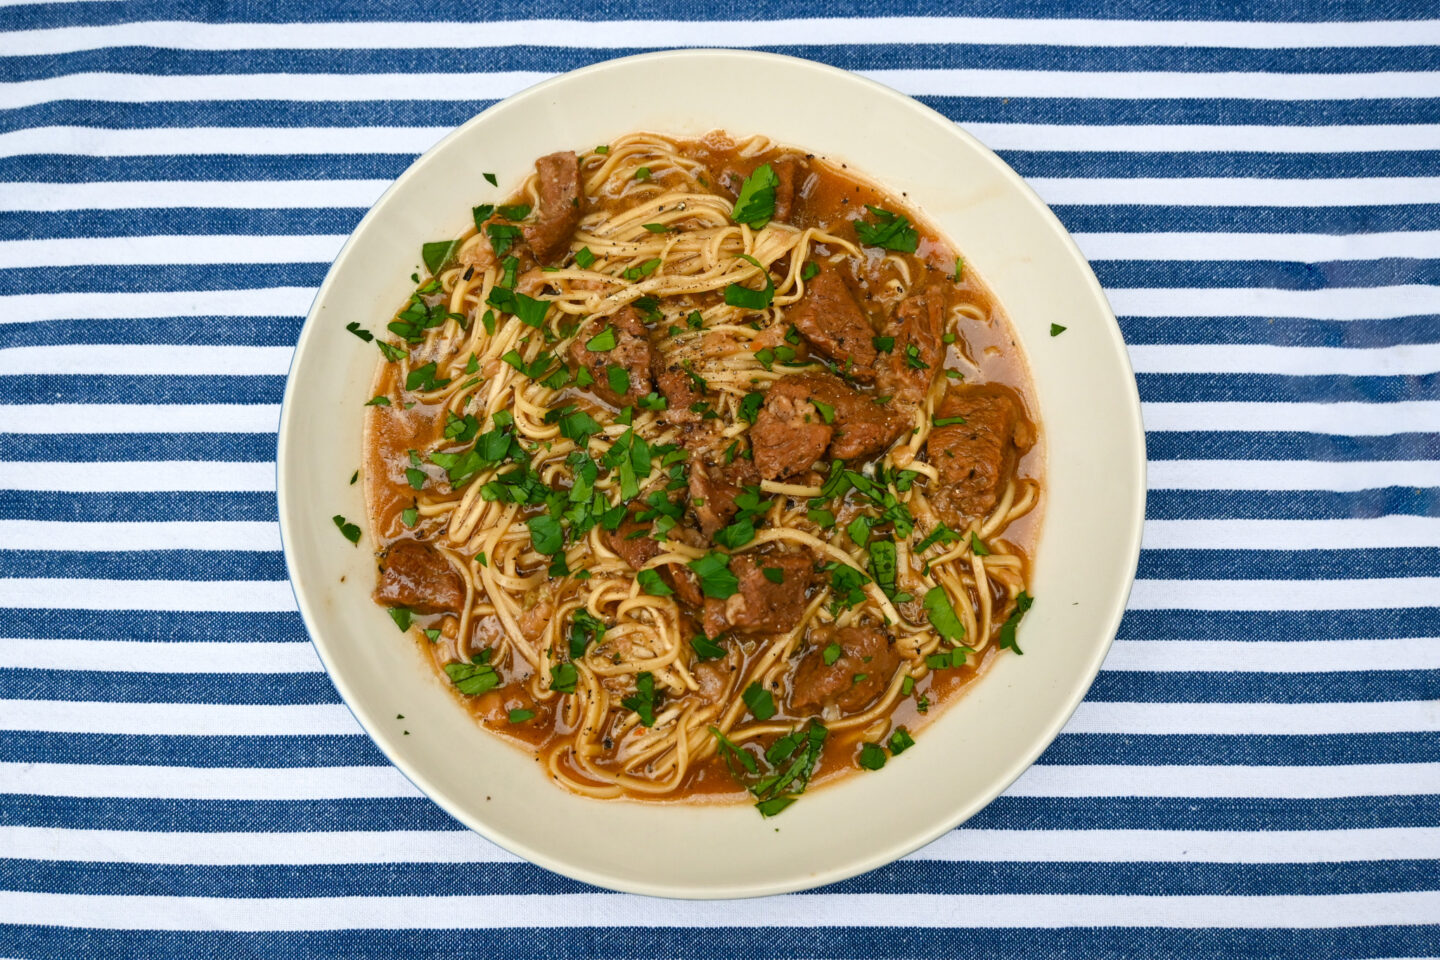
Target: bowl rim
(1128, 540)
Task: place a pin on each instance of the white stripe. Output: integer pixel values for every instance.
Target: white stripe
(958, 846)
(1410, 359)
(330, 783)
(1292, 475)
(913, 910)
(1281, 594)
(592, 34)
(1389, 716)
(160, 141)
(1306, 247)
(170, 719)
(1275, 656)
(140, 535)
(200, 719)
(238, 194)
(235, 248)
(1335, 303)
(1225, 191)
(263, 302)
(464, 86)
(158, 656)
(89, 251)
(1336, 534)
(1178, 191)
(116, 476)
(238, 596)
(142, 418)
(165, 360)
(1353, 780)
(1346, 418)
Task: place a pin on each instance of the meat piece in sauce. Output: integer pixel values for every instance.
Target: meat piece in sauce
(679, 388)
(632, 540)
(632, 351)
(830, 318)
(559, 213)
(761, 605)
(714, 485)
(789, 434)
(977, 458)
(918, 325)
(864, 668)
(787, 171)
(416, 575)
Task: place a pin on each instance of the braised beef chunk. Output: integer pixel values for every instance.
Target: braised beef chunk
(632, 539)
(677, 385)
(789, 434)
(787, 171)
(977, 458)
(559, 213)
(861, 671)
(632, 353)
(787, 443)
(918, 325)
(831, 319)
(714, 485)
(416, 575)
(762, 605)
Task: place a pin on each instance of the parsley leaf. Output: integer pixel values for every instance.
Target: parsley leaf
(643, 702)
(747, 299)
(872, 756)
(759, 701)
(651, 582)
(349, 530)
(1007, 629)
(472, 678)
(756, 203)
(436, 254)
(716, 580)
(705, 648)
(892, 231)
(942, 615)
(563, 677)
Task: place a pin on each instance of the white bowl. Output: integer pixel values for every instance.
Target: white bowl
(1085, 562)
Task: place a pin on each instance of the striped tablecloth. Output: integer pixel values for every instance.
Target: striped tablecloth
(1255, 773)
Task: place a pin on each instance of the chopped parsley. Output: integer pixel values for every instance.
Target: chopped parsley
(643, 702)
(520, 716)
(379, 400)
(584, 258)
(491, 178)
(1007, 629)
(473, 678)
(747, 299)
(942, 615)
(705, 648)
(435, 254)
(716, 580)
(546, 534)
(872, 756)
(810, 270)
(359, 331)
(773, 574)
(656, 228)
(401, 616)
(978, 546)
(349, 530)
(892, 231)
(749, 407)
(1056, 329)
(948, 421)
(602, 342)
(642, 173)
(759, 702)
(830, 654)
(563, 677)
(651, 582)
(900, 741)
(755, 204)
(883, 344)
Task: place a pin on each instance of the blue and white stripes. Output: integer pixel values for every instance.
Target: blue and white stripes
(1255, 773)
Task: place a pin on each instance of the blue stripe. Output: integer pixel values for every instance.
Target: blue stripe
(119, 686)
(175, 276)
(1230, 274)
(645, 943)
(1339, 564)
(281, 114)
(1418, 621)
(183, 221)
(1154, 387)
(71, 168)
(1208, 564)
(137, 506)
(1005, 813)
(1257, 749)
(1291, 504)
(42, 15)
(1156, 218)
(855, 56)
(1285, 332)
(1115, 686)
(910, 876)
(229, 331)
